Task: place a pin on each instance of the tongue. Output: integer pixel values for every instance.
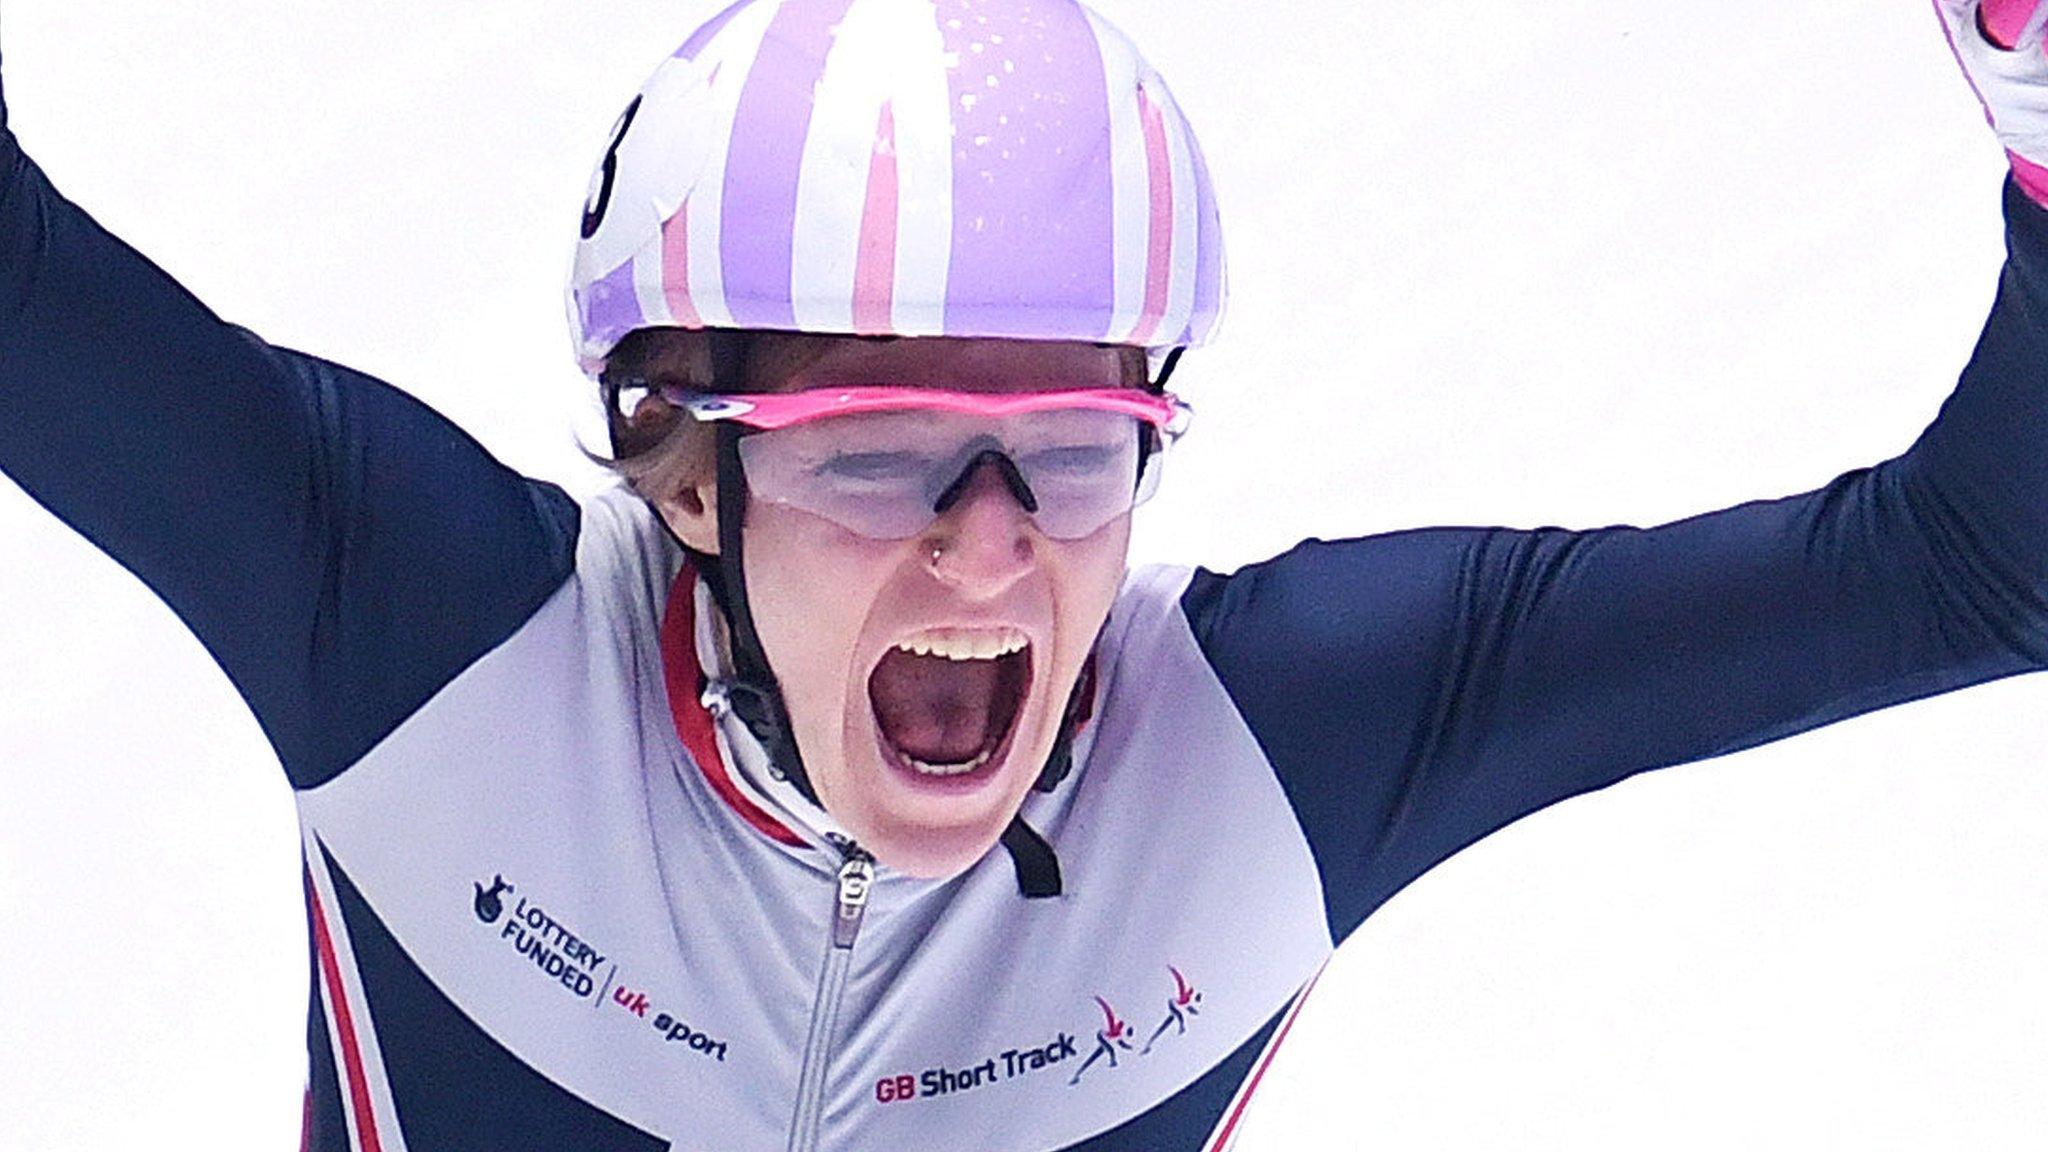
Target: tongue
(934, 709)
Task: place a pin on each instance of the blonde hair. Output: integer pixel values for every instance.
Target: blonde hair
(659, 450)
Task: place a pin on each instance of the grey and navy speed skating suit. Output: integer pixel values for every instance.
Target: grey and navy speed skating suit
(555, 902)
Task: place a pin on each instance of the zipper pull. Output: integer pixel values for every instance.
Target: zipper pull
(716, 700)
(856, 874)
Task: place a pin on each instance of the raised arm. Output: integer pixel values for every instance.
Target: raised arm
(338, 547)
(1418, 690)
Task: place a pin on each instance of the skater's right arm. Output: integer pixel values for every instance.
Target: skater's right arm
(339, 548)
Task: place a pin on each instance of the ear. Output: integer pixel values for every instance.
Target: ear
(692, 514)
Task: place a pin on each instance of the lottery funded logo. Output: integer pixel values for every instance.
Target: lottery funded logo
(578, 967)
(490, 904)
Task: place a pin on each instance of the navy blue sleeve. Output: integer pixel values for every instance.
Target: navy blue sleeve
(339, 548)
(1418, 690)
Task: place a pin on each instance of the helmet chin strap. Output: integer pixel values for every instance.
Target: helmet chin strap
(756, 696)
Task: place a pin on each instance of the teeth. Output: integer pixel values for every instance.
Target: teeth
(965, 644)
(950, 769)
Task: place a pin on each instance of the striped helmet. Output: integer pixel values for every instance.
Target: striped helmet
(995, 168)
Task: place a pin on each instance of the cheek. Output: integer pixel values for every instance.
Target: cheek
(1091, 573)
(811, 585)
(1096, 568)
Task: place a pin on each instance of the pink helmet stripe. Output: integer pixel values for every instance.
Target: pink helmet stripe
(885, 57)
(761, 169)
(1159, 246)
(648, 288)
(678, 236)
(1180, 277)
(675, 268)
(1030, 78)
(874, 276)
(1130, 184)
(920, 115)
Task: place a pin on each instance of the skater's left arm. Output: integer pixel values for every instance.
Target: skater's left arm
(1418, 690)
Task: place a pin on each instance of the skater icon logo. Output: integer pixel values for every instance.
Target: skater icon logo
(1114, 1035)
(488, 906)
(1117, 1033)
(1185, 1002)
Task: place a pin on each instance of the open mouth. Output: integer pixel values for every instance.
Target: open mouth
(946, 701)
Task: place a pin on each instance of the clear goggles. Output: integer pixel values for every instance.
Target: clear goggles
(886, 462)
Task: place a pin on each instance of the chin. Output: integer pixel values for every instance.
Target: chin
(935, 828)
(933, 854)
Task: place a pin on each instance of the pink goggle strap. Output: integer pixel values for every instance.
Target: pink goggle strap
(781, 410)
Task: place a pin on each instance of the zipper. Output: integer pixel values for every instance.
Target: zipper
(856, 876)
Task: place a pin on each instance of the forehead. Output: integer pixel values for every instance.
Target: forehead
(965, 365)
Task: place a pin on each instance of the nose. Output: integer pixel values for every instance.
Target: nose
(984, 541)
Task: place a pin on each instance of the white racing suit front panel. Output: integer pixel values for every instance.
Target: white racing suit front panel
(671, 950)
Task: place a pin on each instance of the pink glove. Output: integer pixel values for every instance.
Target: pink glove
(2000, 45)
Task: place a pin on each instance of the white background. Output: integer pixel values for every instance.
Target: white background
(1562, 263)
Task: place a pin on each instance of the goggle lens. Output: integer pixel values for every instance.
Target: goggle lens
(886, 462)
(890, 475)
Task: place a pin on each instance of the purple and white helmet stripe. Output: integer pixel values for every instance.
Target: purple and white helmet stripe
(877, 152)
(1004, 168)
